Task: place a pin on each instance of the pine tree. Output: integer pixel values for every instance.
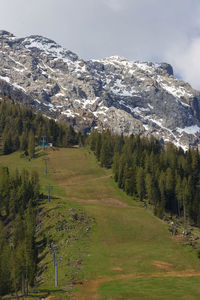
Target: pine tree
(106, 154)
(171, 176)
(7, 144)
(115, 165)
(162, 189)
(148, 187)
(98, 146)
(5, 274)
(30, 250)
(31, 145)
(179, 194)
(24, 141)
(186, 195)
(140, 183)
(171, 205)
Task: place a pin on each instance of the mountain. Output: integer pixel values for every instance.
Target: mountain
(126, 97)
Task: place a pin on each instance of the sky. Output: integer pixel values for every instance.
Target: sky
(144, 30)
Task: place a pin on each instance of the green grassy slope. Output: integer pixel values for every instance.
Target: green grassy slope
(124, 241)
(152, 289)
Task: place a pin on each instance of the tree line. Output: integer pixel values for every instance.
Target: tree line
(21, 129)
(19, 195)
(163, 175)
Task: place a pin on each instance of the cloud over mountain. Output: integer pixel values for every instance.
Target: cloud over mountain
(154, 30)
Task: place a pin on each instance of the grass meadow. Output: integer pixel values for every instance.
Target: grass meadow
(128, 251)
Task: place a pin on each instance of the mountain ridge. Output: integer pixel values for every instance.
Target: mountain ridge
(127, 97)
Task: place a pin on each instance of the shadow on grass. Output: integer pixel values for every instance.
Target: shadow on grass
(44, 199)
(40, 272)
(43, 293)
(42, 256)
(40, 154)
(41, 244)
(53, 291)
(53, 209)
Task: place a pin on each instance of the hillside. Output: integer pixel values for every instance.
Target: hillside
(118, 248)
(124, 96)
(30, 129)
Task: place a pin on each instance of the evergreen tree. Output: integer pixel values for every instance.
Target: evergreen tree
(106, 153)
(5, 274)
(7, 144)
(162, 189)
(31, 144)
(98, 146)
(24, 141)
(140, 183)
(169, 176)
(18, 126)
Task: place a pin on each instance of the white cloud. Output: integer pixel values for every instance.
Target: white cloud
(158, 30)
(115, 5)
(186, 60)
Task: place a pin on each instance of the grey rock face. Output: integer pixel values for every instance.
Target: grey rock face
(126, 97)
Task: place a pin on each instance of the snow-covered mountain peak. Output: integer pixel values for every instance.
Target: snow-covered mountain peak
(5, 34)
(125, 96)
(48, 47)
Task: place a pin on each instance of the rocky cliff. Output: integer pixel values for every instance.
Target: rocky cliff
(127, 97)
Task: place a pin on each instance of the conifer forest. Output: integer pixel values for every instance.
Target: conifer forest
(162, 175)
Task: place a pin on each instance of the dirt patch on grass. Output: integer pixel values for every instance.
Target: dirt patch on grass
(179, 238)
(163, 265)
(89, 289)
(71, 178)
(117, 269)
(80, 180)
(103, 201)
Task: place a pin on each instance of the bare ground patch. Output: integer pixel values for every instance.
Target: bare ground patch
(179, 238)
(163, 265)
(117, 269)
(103, 201)
(89, 290)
